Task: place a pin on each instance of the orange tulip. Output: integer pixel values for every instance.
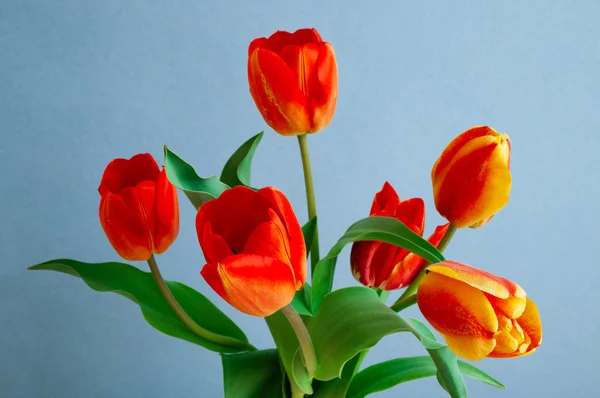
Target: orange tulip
(254, 249)
(293, 81)
(385, 266)
(139, 211)
(479, 314)
(471, 179)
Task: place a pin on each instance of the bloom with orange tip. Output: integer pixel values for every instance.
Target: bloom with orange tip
(471, 179)
(254, 249)
(385, 266)
(139, 211)
(479, 314)
(293, 81)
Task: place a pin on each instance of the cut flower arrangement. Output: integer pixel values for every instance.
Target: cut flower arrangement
(257, 254)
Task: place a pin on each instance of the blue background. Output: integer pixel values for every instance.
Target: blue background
(82, 82)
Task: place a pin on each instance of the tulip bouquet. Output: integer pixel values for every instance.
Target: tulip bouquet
(257, 252)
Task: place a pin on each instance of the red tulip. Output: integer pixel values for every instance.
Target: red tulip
(479, 314)
(293, 81)
(385, 266)
(139, 211)
(471, 179)
(254, 249)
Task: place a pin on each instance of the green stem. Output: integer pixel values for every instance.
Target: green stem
(306, 345)
(404, 303)
(310, 198)
(296, 391)
(185, 318)
(412, 288)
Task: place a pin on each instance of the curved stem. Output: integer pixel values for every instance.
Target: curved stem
(306, 345)
(412, 288)
(404, 303)
(185, 318)
(310, 198)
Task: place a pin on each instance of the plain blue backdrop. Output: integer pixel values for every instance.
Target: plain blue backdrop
(83, 82)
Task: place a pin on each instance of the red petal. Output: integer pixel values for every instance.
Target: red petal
(214, 247)
(323, 89)
(283, 208)
(167, 214)
(411, 212)
(278, 40)
(253, 284)
(122, 173)
(361, 259)
(234, 215)
(385, 201)
(126, 232)
(277, 94)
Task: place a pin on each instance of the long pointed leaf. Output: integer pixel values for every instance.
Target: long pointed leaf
(237, 170)
(140, 287)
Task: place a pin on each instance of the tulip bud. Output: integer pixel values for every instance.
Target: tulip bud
(139, 210)
(293, 81)
(479, 314)
(471, 179)
(254, 249)
(385, 266)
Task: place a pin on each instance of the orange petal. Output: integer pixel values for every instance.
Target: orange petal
(126, 232)
(531, 323)
(277, 94)
(476, 182)
(512, 306)
(461, 313)
(255, 285)
(482, 280)
(323, 89)
(280, 204)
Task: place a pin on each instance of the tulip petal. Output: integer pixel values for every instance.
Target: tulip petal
(461, 313)
(270, 239)
(126, 232)
(456, 144)
(411, 212)
(361, 258)
(531, 324)
(167, 214)
(512, 306)
(407, 268)
(255, 285)
(476, 183)
(234, 215)
(213, 246)
(122, 173)
(278, 40)
(482, 280)
(283, 208)
(277, 94)
(385, 201)
(323, 89)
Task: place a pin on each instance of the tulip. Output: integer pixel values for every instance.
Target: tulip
(139, 211)
(254, 249)
(385, 266)
(471, 179)
(479, 314)
(293, 81)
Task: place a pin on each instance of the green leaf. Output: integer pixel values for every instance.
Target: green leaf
(183, 176)
(308, 230)
(384, 229)
(337, 387)
(238, 168)
(385, 375)
(287, 344)
(359, 310)
(140, 287)
(254, 374)
(299, 301)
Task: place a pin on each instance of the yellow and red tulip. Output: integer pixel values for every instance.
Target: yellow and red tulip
(385, 266)
(471, 179)
(254, 249)
(139, 211)
(479, 314)
(293, 81)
